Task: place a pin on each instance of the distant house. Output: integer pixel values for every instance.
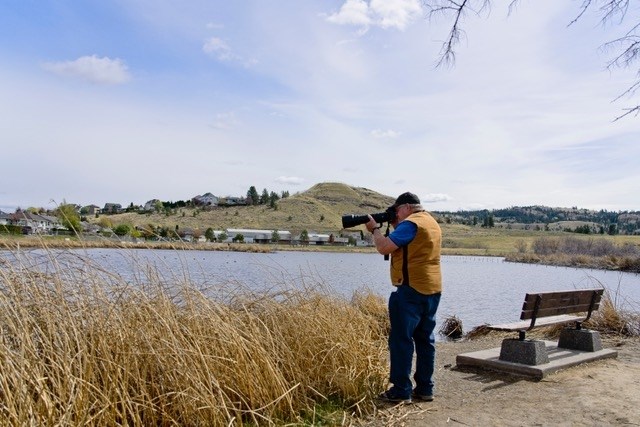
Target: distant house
(90, 228)
(340, 241)
(150, 206)
(258, 236)
(232, 201)
(5, 218)
(207, 199)
(318, 239)
(33, 223)
(187, 234)
(90, 210)
(112, 208)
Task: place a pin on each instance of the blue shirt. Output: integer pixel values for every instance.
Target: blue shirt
(404, 233)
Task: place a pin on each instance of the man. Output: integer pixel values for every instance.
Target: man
(414, 246)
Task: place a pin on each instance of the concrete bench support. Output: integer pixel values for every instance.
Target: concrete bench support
(526, 352)
(580, 339)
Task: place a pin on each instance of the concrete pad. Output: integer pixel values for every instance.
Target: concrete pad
(559, 358)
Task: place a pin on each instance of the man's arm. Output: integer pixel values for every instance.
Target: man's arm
(384, 245)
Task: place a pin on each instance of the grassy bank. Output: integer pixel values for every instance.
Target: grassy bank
(13, 243)
(574, 252)
(76, 349)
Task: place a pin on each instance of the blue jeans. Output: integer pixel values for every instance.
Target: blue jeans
(413, 320)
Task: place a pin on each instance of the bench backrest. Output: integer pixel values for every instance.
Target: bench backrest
(545, 304)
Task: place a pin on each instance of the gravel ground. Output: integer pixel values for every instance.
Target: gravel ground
(600, 393)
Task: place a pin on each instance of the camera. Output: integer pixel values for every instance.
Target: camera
(349, 221)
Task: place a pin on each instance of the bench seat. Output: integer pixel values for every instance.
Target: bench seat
(540, 322)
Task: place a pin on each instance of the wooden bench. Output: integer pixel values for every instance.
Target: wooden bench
(554, 308)
(547, 309)
(537, 358)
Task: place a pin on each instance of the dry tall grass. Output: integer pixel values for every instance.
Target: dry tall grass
(77, 348)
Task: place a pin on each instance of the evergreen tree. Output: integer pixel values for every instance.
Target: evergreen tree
(252, 196)
(264, 198)
(273, 198)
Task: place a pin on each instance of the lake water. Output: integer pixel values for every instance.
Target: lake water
(477, 290)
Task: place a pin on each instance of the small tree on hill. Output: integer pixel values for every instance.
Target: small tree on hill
(304, 237)
(122, 230)
(264, 198)
(69, 217)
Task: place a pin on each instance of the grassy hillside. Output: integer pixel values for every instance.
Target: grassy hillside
(318, 209)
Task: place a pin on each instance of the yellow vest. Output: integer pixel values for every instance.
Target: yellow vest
(418, 263)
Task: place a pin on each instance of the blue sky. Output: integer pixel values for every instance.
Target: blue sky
(126, 101)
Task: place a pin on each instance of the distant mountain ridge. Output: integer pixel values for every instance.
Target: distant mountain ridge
(627, 222)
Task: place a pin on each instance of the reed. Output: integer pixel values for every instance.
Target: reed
(79, 346)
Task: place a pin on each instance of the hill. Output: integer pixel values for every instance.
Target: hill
(319, 209)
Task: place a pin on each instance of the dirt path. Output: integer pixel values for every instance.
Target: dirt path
(601, 393)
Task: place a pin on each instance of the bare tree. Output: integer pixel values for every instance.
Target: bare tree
(626, 49)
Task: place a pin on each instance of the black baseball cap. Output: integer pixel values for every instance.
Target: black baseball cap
(407, 197)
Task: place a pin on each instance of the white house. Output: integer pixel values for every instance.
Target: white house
(206, 199)
(258, 236)
(34, 223)
(5, 218)
(318, 239)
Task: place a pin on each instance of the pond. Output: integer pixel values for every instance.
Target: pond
(477, 290)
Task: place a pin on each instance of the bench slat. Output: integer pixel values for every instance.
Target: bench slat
(563, 302)
(554, 299)
(553, 308)
(546, 321)
(554, 311)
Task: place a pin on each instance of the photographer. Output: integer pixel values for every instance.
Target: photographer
(414, 246)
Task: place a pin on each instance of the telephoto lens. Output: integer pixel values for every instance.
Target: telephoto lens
(349, 221)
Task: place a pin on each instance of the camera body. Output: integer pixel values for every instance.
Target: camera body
(349, 221)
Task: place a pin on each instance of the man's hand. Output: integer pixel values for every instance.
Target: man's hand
(371, 225)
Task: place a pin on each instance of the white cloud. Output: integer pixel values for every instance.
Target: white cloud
(389, 133)
(225, 121)
(92, 68)
(395, 13)
(435, 197)
(352, 12)
(292, 180)
(217, 47)
(382, 13)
